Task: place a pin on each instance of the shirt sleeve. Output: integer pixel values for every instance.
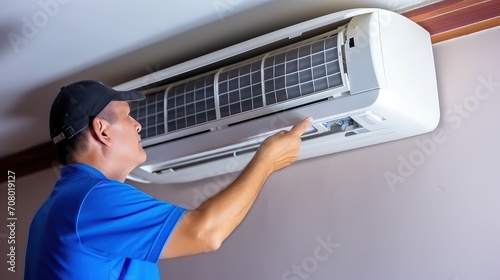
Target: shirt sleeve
(118, 219)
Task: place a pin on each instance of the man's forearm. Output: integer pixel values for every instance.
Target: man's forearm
(225, 211)
(205, 228)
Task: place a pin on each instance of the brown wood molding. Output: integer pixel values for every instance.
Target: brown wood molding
(30, 161)
(440, 8)
(451, 18)
(444, 20)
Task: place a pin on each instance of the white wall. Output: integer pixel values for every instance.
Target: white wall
(441, 222)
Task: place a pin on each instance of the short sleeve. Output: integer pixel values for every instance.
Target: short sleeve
(118, 219)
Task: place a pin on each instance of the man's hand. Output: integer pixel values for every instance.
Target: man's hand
(282, 148)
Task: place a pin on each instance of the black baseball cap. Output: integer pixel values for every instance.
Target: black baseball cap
(78, 103)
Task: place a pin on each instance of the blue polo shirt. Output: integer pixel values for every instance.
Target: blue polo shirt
(91, 227)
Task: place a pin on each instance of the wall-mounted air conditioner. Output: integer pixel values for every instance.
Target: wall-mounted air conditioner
(366, 76)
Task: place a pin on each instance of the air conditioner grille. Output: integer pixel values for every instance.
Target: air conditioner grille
(307, 69)
(303, 70)
(150, 114)
(191, 104)
(240, 89)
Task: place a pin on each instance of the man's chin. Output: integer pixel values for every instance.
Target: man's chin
(144, 157)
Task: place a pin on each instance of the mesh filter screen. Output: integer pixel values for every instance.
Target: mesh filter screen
(150, 114)
(191, 104)
(299, 71)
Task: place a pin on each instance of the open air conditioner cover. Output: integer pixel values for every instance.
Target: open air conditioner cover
(366, 76)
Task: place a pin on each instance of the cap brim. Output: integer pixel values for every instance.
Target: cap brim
(128, 96)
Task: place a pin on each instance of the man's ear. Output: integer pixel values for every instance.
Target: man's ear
(100, 127)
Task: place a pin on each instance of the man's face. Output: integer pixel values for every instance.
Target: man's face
(125, 134)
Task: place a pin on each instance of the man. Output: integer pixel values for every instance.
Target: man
(94, 226)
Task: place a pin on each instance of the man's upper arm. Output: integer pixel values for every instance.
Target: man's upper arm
(187, 238)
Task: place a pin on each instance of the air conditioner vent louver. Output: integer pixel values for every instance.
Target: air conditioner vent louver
(288, 73)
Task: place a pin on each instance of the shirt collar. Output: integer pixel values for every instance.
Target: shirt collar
(80, 167)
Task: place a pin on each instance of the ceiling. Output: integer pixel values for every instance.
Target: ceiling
(49, 43)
